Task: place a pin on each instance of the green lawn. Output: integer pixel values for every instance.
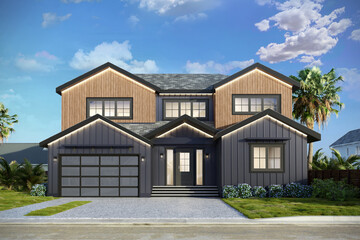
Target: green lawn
(11, 199)
(285, 207)
(57, 209)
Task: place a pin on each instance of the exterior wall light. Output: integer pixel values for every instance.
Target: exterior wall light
(55, 159)
(142, 159)
(161, 155)
(207, 156)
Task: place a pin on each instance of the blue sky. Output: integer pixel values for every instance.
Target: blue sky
(44, 44)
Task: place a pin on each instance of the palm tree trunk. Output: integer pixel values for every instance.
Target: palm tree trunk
(311, 148)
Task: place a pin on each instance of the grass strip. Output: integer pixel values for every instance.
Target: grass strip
(49, 211)
(12, 199)
(286, 207)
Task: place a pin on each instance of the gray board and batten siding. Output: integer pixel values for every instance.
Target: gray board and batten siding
(99, 138)
(235, 154)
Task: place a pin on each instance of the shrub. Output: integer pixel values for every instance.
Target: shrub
(244, 190)
(275, 191)
(333, 190)
(230, 191)
(259, 191)
(38, 190)
(297, 190)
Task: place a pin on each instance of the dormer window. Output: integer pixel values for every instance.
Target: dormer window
(252, 104)
(114, 108)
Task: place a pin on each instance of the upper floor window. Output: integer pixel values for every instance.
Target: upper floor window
(175, 108)
(251, 104)
(266, 157)
(120, 108)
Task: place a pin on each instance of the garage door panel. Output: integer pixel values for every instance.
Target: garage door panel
(129, 160)
(129, 192)
(99, 176)
(109, 171)
(72, 160)
(89, 192)
(70, 181)
(129, 171)
(70, 171)
(89, 171)
(110, 160)
(129, 182)
(89, 182)
(70, 192)
(91, 160)
(109, 192)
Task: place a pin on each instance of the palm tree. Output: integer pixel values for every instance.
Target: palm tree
(316, 99)
(30, 175)
(8, 173)
(6, 122)
(352, 162)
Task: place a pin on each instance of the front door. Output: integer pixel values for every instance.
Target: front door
(184, 168)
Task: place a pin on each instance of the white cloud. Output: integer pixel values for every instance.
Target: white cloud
(351, 83)
(213, 67)
(264, 2)
(31, 64)
(355, 35)
(18, 79)
(308, 32)
(10, 97)
(52, 18)
(263, 25)
(306, 59)
(190, 17)
(75, 1)
(133, 20)
(339, 27)
(114, 52)
(46, 55)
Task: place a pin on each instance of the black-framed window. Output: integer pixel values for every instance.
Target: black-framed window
(267, 157)
(117, 108)
(197, 108)
(252, 104)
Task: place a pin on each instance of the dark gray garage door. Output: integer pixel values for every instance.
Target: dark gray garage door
(99, 176)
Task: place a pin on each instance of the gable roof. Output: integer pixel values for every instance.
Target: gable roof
(312, 136)
(86, 122)
(177, 122)
(265, 69)
(349, 137)
(60, 88)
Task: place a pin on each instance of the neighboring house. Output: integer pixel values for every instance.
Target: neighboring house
(175, 134)
(19, 151)
(348, 144)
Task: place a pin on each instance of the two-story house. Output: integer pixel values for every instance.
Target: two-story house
(349, 144)
(144, 135)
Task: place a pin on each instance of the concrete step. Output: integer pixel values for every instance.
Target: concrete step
(185, 195)
(185, 191)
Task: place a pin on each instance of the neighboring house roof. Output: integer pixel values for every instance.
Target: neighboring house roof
(90, 120)
(349, 137)
(19, 151)
(177, 122)
(180, 82)
(183, 81)
(312, 136)
(259, 66)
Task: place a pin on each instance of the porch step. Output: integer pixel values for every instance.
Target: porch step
(185, 191)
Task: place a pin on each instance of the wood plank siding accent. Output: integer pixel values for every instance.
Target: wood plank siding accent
(107, 84)
(252, 83)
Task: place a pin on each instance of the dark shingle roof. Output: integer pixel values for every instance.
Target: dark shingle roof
(183, 81)
(352, 136)
(18, 151)
(144, 128)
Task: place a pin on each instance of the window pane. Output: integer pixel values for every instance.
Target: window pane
(274, 158)
(95, 107)
(255, 104)
(199, 109)
(109, 108)
(199, 167)
(123, 108)
(184, 162)
(270, 103)
(171, 109)
(259, 157)
(169, 167)
(241, 105)
(185, 108)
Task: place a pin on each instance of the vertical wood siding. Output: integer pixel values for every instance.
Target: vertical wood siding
(106, 84)
(235, 154)
(254, 83)
(99, 134)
